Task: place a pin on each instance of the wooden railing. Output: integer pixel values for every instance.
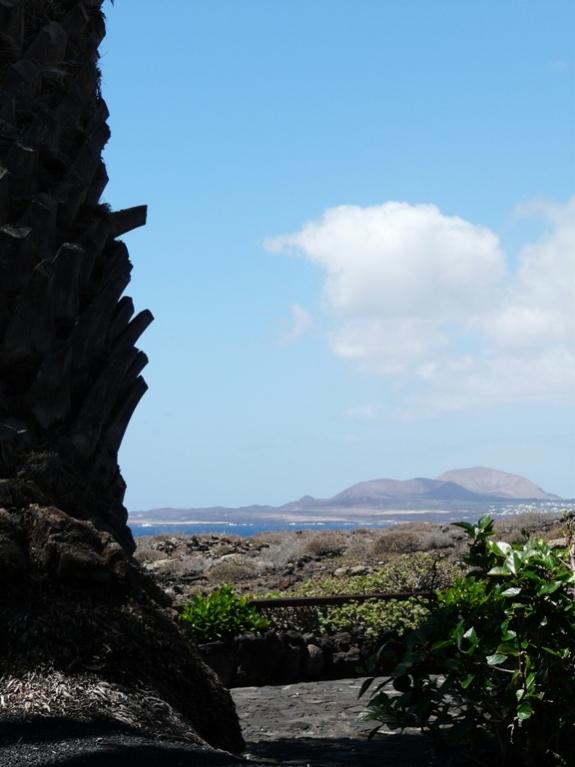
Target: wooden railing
(338, 599)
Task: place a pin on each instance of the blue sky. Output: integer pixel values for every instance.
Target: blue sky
(361, 239)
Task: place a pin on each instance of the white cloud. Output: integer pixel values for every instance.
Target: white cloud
(301, 322)
(382, 260)
(538, 308)
(387, 345)
(433, 302)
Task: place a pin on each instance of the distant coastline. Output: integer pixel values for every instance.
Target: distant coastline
(246, 526)
(456, 495)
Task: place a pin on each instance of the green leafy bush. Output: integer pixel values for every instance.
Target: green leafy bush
(492, 670)
(417, 572)
(220, 615)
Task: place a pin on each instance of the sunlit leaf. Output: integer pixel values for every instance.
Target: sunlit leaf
(513, 562)
(499, 570)
(501, 548)
(511, 592)
(524, 711)
(549, 588)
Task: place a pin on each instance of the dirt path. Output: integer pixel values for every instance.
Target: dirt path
(316, 724)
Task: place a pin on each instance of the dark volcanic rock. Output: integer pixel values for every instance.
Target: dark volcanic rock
(45, 542)
(286, 658)
(221, 658)
(346, 664)
(13, 558)
(73, 601)
(315, 662)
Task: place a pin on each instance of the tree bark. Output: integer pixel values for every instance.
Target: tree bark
(68, 385)
(74, 604)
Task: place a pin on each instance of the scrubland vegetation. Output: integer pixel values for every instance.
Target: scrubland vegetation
(221, 614)
(284, 561)
(488, 667)
(490, 672)
(417, 572)
(407, 557)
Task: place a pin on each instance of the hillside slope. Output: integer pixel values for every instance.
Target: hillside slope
(498, 484)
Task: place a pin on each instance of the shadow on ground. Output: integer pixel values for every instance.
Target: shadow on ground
(148, 756)
(49, 729)
(49, 741)
(405, 750)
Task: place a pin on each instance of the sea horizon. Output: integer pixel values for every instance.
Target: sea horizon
(247, 527)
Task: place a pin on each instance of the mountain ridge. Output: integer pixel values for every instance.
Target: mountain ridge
(475, 485)
(482, 480)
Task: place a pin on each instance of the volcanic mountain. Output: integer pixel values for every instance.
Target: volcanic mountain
(497, 484)
(453, 489)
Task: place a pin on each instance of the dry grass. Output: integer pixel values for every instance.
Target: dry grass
(276, 560)
(118, 655)
(47, 692)
(280, 548)
(147, 556)
(175, 569)
(359, 547)
(325, 544)
(517, 528)
(233, 569)
(418, 537)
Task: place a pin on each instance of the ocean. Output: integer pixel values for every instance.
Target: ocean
(244, 529)
(252, 527)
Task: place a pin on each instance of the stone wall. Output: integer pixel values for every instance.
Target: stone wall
(286, 657)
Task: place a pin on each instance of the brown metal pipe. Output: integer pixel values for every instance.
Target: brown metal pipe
(339, 599)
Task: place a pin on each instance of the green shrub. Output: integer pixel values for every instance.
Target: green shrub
(220, 615)
(418, 572)
(493, 668)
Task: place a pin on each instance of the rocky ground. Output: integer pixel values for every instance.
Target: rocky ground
(317, 725)
(310, 724)
(301, 725)
(186, 565)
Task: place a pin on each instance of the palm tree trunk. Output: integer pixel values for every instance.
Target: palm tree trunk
(72, 599)
(69, 370)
